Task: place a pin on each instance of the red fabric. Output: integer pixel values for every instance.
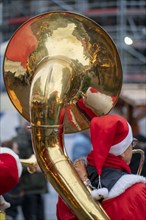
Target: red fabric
(60, 130)
(22, 44)
(131, 205)
(8, 173)
(63, 212)
(106, 131)
(87, 111)
(112, 161)
(66, 111)
(93, 90)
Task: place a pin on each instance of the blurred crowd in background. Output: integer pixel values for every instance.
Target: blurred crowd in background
(125, 22)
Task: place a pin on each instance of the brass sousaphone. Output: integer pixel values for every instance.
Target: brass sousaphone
(57, 67)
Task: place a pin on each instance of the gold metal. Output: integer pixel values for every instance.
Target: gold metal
(87, 54)
(2, 215)
(31, 163)
(142, 158)
(52, 62)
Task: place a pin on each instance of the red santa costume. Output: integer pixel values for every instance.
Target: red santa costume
(10, 171)
(122, 194)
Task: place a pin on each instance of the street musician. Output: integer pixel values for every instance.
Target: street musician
(121, 193)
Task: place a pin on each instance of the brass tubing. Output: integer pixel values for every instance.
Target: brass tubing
(142, 158)
(60, 173)
(46, 109)
(2, 215)
(30, 163)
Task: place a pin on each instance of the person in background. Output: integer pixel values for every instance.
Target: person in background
(121, 193)
(34, 185)
(81, 145)
(14, 197)
(10, 172)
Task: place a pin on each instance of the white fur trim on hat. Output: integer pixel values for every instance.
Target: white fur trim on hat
(98, 194)
(5, 150)
(119, 148)
(124, 183)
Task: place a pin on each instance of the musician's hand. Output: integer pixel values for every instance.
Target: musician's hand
(80, 166)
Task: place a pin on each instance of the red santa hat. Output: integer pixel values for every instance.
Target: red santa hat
(109, 134)
(10, 170)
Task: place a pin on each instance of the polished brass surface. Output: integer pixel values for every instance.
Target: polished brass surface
(52, 62)
(88, 56)
(2, 215)
(30, 163)
(142, 158)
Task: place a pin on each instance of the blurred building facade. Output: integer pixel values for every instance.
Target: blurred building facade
(124, 20)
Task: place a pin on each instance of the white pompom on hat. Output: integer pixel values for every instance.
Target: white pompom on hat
(10, 169)
(98, 194)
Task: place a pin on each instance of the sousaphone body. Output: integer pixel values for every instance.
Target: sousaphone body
(57, 67)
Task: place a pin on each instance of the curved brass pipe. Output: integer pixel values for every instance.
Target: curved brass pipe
(30, 163)
(56, 166)
(142, 158)
(2, 215)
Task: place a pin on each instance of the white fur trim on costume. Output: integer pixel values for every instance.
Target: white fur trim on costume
(98, 194)
(119, 148)
(5, 150)
(124, 183)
